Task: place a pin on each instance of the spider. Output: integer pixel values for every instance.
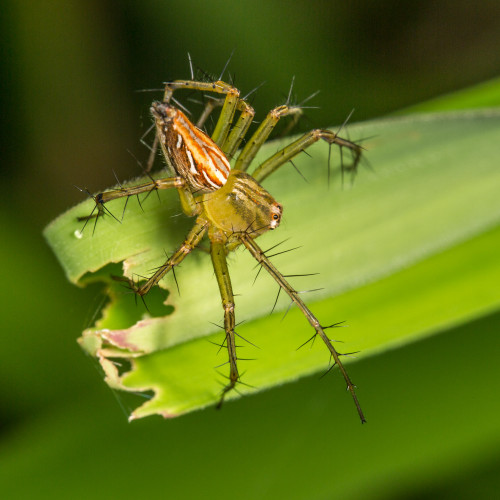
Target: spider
(230, 205)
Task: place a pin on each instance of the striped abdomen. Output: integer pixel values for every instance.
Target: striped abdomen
(189, 151)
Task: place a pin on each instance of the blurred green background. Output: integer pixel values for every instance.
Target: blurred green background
(71, 115)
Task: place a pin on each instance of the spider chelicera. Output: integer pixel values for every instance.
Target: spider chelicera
(230, 205)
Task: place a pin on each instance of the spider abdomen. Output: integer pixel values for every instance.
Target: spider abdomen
(189, 151)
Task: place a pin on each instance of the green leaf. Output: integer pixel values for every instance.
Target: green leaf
(406, 251)
(484, 94)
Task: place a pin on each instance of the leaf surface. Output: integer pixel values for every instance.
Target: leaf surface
(406, 251)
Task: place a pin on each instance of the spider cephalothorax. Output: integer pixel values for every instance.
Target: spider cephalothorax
(230, 205)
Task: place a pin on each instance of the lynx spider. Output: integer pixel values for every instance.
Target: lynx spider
(230, 206)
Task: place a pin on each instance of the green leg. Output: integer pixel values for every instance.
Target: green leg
(218, 253)
(259, 255)
(235, 136)
(281, 157)
(124, 192)
(262, 133)
(191, 241)
(208, 109)
(233, 140)
(152, 152)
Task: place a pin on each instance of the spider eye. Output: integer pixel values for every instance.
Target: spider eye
(275, 217)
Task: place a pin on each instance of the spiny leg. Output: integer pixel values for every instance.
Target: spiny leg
(211, 104)
(237, 133)
(191, 241)
(152, 153)
(262, 133)
(125, 192)
(218, 253)
(293, 149)
(259, 255)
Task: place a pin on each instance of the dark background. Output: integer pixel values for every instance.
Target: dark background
(69, 76)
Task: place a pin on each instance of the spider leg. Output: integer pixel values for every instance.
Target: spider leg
(218, 253)
(259, 255)
(293, 149)
(191, 241)
(147, 187)
(238, 132)
(262, 133)
(152, 153)
(211, 104)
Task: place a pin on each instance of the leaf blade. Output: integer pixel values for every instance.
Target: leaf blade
(424, 191)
